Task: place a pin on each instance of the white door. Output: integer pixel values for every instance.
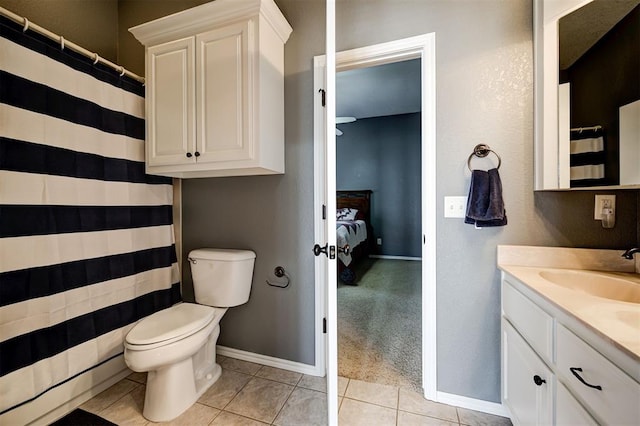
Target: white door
(325, 191)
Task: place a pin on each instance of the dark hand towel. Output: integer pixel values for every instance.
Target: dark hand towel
(485, 206)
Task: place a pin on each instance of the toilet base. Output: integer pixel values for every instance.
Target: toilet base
(172, 390)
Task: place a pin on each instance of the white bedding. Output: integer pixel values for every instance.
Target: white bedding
(351, 232)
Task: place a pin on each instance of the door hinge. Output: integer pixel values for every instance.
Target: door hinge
(324, 325)
(324, 212)
(323, 93)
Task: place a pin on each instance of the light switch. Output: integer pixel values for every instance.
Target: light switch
(455, 206)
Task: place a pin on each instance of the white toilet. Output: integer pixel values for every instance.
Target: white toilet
(177, 346)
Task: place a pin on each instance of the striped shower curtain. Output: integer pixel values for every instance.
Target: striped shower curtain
(86, 237)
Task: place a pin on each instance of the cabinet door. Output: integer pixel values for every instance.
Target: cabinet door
(171, 103)
(224, 93)
(530, 400)
(569, 411)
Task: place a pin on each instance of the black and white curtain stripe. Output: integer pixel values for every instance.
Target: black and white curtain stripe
(86, 237)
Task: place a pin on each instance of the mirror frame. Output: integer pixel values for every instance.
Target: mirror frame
(547, 154)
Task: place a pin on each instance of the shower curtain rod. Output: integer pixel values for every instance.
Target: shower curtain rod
(27, 25)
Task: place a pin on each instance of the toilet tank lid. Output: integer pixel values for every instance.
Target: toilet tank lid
(228, 255)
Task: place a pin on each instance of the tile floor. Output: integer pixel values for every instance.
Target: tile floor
(253, 394)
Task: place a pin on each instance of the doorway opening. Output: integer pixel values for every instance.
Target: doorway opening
(378, 165)
(422, 48)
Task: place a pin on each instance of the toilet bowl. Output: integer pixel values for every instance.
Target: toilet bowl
(177, 346)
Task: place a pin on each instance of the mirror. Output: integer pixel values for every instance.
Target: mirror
(587, 94)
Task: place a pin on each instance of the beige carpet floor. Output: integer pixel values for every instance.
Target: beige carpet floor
(379, 332)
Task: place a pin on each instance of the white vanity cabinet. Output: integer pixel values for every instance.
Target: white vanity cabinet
(551, 372)
(215, 90)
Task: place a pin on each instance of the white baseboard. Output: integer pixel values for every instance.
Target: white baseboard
(284, 364)
(472, 404)
(63, 399)
(384, 256)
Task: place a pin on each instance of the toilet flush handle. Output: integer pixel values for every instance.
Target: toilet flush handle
(192, 260)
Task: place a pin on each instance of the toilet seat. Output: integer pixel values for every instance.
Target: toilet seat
(170, 325)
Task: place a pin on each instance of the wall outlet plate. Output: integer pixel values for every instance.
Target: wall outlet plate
(455, 206)
(601, 201)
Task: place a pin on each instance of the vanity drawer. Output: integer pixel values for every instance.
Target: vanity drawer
(618, 400)
(534, 324)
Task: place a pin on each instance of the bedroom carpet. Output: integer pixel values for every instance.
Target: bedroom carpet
(379, 332)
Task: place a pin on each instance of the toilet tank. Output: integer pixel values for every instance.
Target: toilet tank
(221, 277)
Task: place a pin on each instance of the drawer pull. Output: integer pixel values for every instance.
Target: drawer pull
(538, 380)
(575, 370)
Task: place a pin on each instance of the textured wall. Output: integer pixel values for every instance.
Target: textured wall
(91, 24)
(383, 154)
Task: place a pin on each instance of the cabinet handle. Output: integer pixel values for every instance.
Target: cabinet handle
(197, 154)
(189, 155)
(538, 380)
(574, 370)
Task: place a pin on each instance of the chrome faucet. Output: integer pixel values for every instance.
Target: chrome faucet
(629, 253)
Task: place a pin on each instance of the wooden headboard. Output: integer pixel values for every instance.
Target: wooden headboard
(360, 200)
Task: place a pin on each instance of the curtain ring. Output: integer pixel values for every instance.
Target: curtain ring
(96, 58)
(122, 71)
(26, 25)
(61, 43)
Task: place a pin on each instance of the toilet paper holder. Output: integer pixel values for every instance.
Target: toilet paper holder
(279, 272)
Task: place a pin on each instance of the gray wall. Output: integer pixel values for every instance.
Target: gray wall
(484, 94)
(91, 24)
(383, 154)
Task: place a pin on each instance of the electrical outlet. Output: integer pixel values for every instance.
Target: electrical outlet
(379, 241)
(455, 206)
(603, 201)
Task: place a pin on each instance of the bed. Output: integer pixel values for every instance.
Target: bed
(353, 228)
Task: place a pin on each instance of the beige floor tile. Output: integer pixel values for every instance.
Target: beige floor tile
(109, 396)
(225, 389)
(245, 367)
(313, 382)
(138, 377)
(220, 358)
(476, 418)
(260, 399)
(343, 382)
(196, 415)
(414, 402)
(373, 393)
(230, 419)
(410, 419)
(304, 407)
(356, 413)
(279, 375)
(127, 411)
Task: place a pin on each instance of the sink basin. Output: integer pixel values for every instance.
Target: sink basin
(596, 284)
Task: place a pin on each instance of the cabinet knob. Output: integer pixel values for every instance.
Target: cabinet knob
(197, 154)
(538, 380)
(189, 155)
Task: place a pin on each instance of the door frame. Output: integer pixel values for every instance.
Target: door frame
(422, 47)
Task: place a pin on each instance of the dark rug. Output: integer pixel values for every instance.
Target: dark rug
(80, 417)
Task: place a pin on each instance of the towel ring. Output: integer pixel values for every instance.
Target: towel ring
(481, 151)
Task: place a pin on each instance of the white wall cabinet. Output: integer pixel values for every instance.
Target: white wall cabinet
(551, 372)
(215, 90)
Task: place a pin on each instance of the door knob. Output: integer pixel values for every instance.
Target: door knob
(538, 380)
(346, 249)
(317, 249)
